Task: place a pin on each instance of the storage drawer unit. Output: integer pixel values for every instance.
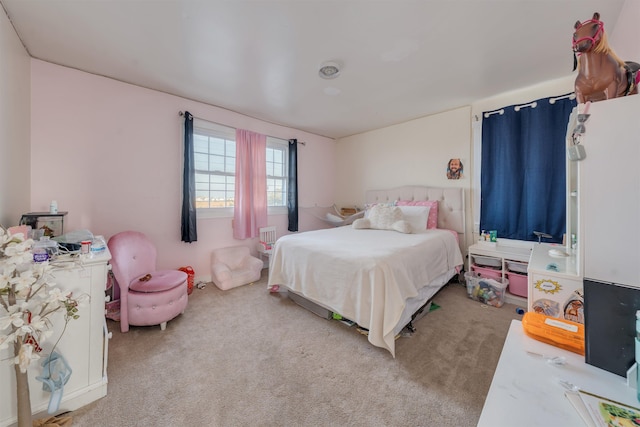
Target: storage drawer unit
(499, 261)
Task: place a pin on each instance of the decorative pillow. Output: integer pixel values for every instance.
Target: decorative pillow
(432, 222)
(416, 216)
(384, 217)
(369, 206)
(361, 223)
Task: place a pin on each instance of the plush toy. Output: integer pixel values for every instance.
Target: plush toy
(601, 74)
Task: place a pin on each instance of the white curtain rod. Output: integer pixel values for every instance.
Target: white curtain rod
(533, 104)
(181, 114)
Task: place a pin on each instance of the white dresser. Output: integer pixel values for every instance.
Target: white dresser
(84, 345)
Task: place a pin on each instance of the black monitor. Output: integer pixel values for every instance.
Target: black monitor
(610, 325)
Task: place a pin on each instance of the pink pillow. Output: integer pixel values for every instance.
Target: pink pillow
(432, 221)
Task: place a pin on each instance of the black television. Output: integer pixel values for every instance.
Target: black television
(610, 325)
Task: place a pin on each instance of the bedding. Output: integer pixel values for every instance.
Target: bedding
(370, 276)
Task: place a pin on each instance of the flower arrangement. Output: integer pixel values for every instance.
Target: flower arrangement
(29, 298)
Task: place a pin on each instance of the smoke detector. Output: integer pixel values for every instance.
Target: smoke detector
(329, 70)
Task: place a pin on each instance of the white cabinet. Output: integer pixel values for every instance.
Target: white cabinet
(555, 285)
(501, 261)
(84, 345)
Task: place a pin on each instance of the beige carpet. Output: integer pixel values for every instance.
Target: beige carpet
(245, 357)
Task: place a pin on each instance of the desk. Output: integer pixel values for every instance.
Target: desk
(525, 390)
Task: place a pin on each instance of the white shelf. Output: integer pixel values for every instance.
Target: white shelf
(503, 254)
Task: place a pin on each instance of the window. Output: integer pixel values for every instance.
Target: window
(215, 167)
(214, 149)
(523, 182)
(277, 156)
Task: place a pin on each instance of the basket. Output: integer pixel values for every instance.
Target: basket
(485, 290)
(190, 275)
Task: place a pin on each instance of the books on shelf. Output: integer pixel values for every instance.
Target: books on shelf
(598, 411)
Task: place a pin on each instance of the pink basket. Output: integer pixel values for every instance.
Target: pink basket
(487, 272)
(518, 284)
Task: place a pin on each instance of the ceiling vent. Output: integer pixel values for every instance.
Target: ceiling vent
(329, 70)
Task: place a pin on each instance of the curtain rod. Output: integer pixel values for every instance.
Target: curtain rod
(181, 114)
(552, 100)
(571, 95)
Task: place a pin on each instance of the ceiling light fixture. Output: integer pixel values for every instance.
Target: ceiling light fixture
(329, 70)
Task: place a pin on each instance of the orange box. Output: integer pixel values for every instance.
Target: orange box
(561, 333)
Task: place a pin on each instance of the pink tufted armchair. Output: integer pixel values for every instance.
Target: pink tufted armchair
(147, 296)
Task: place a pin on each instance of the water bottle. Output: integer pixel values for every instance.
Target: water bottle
(638, 353)
(98, 246)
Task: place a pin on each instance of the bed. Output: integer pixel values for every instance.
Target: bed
(377, 278)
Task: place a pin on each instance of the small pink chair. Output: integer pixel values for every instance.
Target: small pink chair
(147, 296)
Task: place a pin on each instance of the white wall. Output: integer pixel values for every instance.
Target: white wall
(15, 87)
(626, 33)
(412, 153)
(110, 153)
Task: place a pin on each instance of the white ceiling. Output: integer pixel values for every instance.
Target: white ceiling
(401, 59)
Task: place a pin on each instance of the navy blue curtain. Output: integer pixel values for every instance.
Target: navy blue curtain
(523, 170)
(292, 187)
(189, 230)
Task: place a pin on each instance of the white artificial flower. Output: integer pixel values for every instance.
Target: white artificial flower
(23, 280)
(4, 280)
(15, 319)
(57, 294)
(25, 330)
(38, 323)
(25, 357)
(34, 294)
(16, 248)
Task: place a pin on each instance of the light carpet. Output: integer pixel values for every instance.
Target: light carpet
(245, 357)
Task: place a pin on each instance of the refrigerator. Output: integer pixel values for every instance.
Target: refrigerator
(609, 237)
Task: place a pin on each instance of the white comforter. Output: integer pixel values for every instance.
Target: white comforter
(364, 275)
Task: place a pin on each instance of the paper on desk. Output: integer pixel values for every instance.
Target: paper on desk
(598, 411)
(580, 407)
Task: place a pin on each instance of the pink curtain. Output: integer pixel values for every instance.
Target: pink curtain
(250, 211)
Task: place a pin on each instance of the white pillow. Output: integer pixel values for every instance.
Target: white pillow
(417, 216)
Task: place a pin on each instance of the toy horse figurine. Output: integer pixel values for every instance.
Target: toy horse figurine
(601, 74)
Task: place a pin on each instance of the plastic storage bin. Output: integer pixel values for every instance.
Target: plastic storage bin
(487, 291)
(488, 272)
(518, 284)
(487, 261)
(518, 267)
